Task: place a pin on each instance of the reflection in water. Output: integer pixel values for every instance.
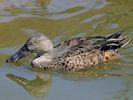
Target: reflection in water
(38, 87)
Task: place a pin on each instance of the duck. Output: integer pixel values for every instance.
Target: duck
(72, 55)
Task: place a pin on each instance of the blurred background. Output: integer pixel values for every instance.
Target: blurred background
(61, 20)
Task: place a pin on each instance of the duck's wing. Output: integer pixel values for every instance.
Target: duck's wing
(71, 42)
(67, 45)
(110, 42)
(91, 51)
(101, 43)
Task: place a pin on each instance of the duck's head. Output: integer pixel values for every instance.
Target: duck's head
(36, 44)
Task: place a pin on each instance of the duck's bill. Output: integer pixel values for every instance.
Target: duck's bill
(23, 52)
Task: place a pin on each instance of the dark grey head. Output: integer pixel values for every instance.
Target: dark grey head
(35, 44)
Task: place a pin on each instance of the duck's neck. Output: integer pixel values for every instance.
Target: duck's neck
(43, 58)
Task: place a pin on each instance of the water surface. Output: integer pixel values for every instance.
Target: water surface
(61, 20)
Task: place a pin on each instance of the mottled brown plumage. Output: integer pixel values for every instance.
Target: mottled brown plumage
(74, 54)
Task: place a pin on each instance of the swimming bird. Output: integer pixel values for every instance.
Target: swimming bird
(73, 54)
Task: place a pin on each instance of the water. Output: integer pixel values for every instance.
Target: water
(61, 20)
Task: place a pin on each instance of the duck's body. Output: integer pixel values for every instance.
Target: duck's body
(74, 54)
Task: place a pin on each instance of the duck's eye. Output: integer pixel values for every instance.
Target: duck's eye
(35, 42)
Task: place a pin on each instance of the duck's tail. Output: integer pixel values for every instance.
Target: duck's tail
(114, 41)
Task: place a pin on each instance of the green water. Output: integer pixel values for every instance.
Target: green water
(61, 20)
